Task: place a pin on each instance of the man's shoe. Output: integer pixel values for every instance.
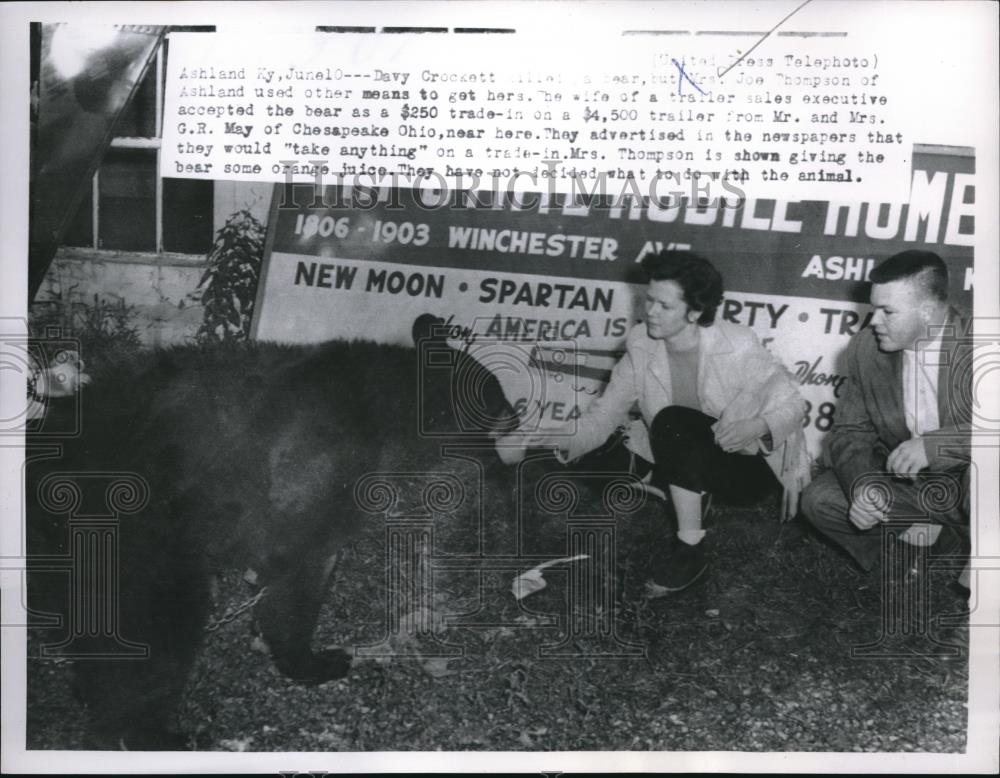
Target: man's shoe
(950, 543)
(956, 638)
(942, 553)
(686, 566)
(959, 590)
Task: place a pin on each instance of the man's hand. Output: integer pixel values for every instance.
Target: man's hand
(864, 514)
(737, 435)
(908, 458)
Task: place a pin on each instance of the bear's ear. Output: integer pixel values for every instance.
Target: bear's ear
(428, 326)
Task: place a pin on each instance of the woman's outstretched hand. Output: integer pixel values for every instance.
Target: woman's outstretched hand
(512, 448)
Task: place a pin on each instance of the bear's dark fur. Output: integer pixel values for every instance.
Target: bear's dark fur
(250, 455)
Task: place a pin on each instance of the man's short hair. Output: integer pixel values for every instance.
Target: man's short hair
(926, 266)
(700, 282)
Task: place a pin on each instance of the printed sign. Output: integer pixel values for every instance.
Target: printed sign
(556, 276)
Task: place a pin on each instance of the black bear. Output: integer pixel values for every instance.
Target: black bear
(233, 457)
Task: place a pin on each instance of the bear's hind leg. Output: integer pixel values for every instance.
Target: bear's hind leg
(164, 604)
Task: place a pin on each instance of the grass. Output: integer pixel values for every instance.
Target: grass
(757, 658)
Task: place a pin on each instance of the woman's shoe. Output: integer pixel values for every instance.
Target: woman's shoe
(685, 567)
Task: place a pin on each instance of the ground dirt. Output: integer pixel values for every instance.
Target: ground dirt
(785, 646)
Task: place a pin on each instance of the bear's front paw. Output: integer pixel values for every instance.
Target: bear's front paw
(335, 663)
(327, 665)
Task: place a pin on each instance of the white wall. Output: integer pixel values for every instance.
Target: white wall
(162, 289)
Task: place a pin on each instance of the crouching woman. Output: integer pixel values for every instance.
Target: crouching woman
(720, 414)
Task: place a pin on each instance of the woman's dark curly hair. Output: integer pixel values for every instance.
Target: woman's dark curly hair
(698, 279)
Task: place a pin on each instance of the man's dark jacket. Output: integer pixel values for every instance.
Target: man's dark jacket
(871, 422)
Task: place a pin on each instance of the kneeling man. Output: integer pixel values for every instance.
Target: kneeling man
(900, 446)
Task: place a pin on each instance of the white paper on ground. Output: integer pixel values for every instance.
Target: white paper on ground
(532, 581)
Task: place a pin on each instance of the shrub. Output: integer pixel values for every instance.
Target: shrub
(230, 281)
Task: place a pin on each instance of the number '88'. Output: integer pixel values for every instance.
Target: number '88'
(824, 416)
